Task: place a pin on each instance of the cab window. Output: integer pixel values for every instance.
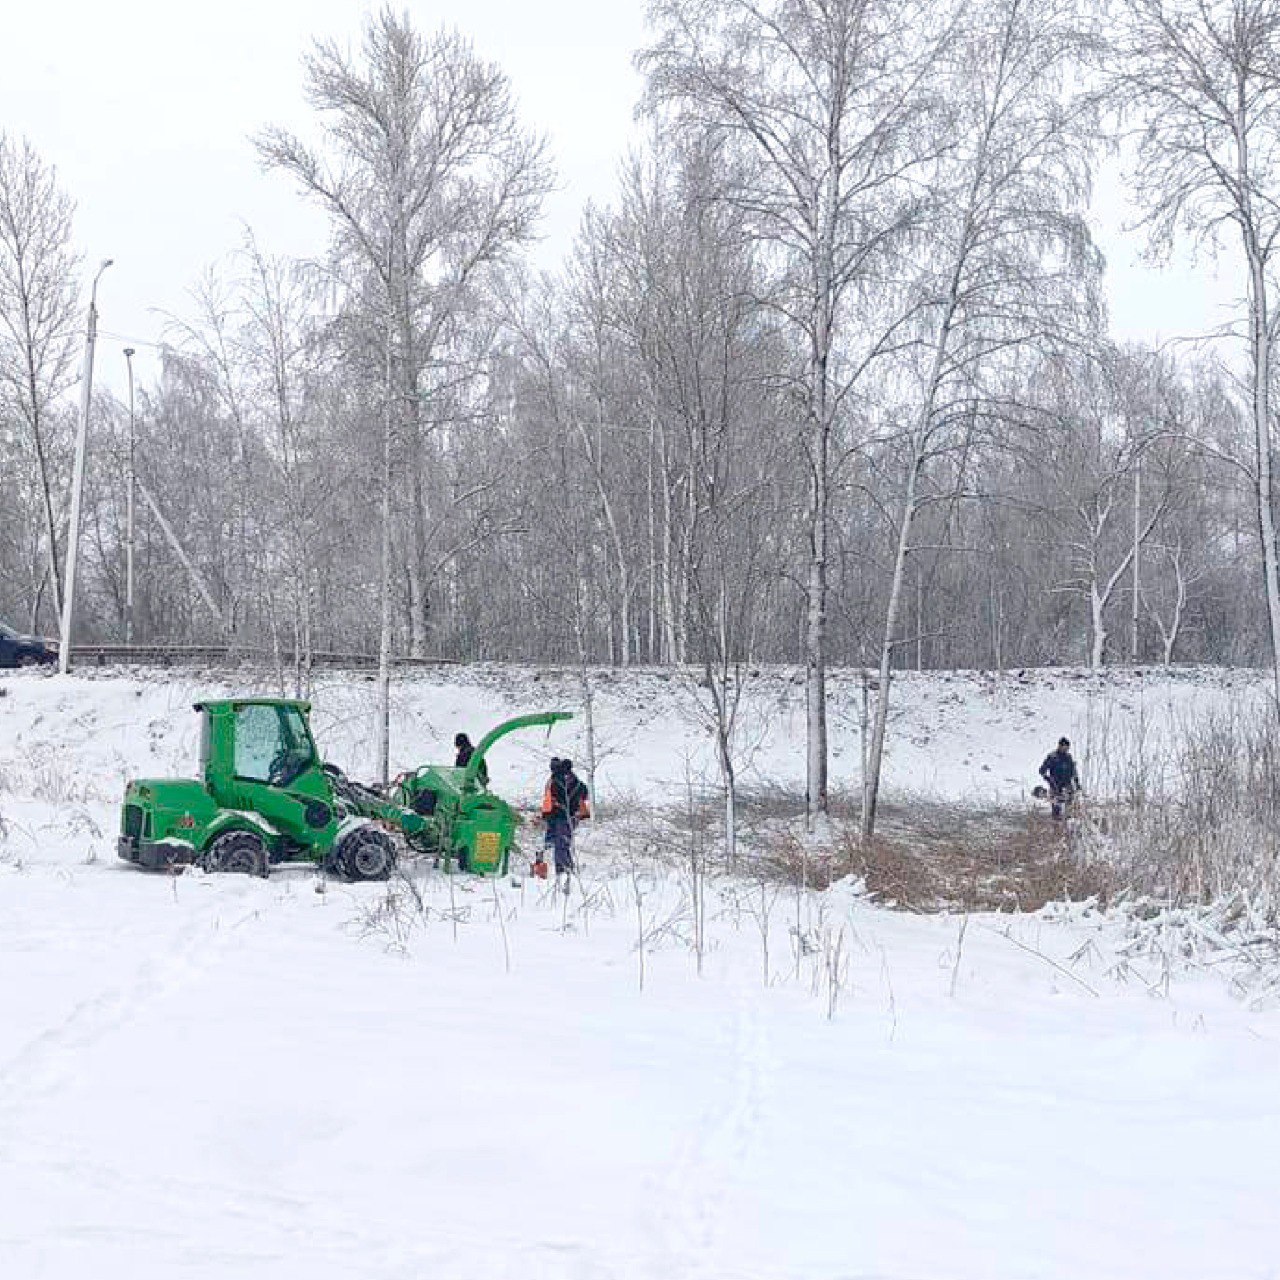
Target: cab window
(272, 744)
(257, 742)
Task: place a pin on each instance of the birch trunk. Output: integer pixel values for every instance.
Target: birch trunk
(1169, 632)
(1100, 594)
(1137, 554)
(730, 801)
(819, 515)
(1098, 630)
(383, 747)
(1261, 344)
(816, 666)
(876, 754)
(46, 495)
(910, 499)
(616, 547)
(589, 733)
(410, 407)
(657, 560)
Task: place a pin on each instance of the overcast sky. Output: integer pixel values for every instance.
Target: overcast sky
(146, 108)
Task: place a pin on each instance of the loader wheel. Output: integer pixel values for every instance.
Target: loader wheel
(238, 851)
(365, 854)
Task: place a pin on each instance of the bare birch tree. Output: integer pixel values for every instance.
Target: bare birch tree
(1202, 78)
(819, 101)
(595, 413)
(429, 180)
(707, 355)
(38, 332)
(1093, 442)
(280, 307)
(212, 338)
(1008, 259)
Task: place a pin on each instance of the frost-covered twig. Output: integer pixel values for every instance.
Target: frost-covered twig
(1049, 960)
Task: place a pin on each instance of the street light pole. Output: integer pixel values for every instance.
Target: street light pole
(128, 515)
(77, 477)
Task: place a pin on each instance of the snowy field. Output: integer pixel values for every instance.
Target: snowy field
(219, 1077)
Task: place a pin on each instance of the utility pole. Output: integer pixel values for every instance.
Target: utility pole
(77, 477)
(128, 516)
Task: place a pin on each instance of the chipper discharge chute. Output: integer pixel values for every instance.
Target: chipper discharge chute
(466, 825)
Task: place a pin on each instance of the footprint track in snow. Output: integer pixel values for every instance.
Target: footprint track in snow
(689, 1221)
(50, 1058)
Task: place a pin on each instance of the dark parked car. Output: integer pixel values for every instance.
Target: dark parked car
(23, 651)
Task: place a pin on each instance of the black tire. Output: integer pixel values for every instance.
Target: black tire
(237, 852)
(365, 854)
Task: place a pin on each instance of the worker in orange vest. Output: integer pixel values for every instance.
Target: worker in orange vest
(564, 805)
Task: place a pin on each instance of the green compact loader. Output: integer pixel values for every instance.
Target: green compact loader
(265, 796)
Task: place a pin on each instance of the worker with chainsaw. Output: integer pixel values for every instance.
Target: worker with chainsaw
(1059, 771)
(463, 758)
(564, 805)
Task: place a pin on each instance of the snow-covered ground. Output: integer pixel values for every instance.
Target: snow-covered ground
(212, 1076)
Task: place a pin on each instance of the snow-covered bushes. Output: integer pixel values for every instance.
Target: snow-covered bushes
(1203, 823)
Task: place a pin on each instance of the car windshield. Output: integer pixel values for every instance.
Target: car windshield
(8, 632)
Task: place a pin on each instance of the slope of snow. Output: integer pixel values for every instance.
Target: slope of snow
(954, 735)
(211, 1076)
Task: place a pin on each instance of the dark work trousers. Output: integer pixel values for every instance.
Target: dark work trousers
(560, 837)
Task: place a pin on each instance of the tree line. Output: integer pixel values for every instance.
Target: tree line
(828, 381)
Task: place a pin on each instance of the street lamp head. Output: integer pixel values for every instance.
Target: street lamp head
(93, 292)
(128, 353)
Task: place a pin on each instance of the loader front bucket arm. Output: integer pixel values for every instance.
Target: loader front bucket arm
(534, 721)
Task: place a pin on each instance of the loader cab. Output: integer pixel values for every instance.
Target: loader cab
(261, 741)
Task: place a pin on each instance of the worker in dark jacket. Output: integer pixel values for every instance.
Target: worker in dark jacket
(463, 758)
(1059, 771)
(564, 805)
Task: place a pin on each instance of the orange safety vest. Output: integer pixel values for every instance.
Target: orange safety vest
(549, 802)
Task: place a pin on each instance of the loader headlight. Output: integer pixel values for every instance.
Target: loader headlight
(317, 815)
